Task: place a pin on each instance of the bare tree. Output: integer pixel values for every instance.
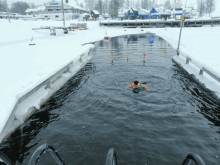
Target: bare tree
(145, 4)
(210, 6)
(114, 7)
(151, 5)
(1, 5)
(19, 7)
(137, 5)
(127, 4)
(167, 4)
(90, 4)
(32, 5)
(105, 6)
(81, 5)
(4, 6)
(98, 6)
(179, 3)
(201, 7)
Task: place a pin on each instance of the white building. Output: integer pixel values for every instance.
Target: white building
(53, 8)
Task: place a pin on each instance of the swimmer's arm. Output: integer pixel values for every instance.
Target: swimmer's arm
(146, 88)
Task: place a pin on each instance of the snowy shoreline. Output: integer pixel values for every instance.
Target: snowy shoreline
(28, 66)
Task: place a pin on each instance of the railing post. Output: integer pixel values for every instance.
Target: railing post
(48, 85)
(80, 60)
(187, 60)
(201, 71)
(68, 69)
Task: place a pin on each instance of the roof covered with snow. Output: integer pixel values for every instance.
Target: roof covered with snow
(153, 11)
(74, 5)
(40, 8)
(95, 11)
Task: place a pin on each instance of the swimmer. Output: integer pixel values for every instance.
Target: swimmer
(136, 85)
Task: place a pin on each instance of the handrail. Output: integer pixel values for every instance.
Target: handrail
(111, 157)
(35, 157)
(5, 159)
(202, 68)
(196, 158)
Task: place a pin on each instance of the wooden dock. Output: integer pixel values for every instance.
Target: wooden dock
(159, 23)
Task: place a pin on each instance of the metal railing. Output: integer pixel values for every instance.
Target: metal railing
(37, 154)
(111, 158)
(202, 68)
(193, 158)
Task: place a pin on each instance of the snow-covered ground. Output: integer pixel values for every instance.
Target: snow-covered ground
(23, 67)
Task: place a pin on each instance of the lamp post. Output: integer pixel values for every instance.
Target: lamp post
(6, 4)
(63, 15)
(182, 24)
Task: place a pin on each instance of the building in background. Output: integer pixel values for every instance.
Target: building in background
(53, 10)
(94, 14)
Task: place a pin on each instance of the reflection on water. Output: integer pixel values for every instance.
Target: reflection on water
(94, 111)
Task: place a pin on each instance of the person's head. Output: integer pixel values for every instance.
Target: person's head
(136, 81)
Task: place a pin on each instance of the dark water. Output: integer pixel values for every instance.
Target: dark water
(94, 111)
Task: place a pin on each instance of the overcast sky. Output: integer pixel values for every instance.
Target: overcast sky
(39, 2)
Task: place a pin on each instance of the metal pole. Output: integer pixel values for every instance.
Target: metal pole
(182, 22)
(63, 15)
(7, 10)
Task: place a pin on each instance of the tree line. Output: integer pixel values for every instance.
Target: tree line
(16, 7)
(112, 7)
(205, 7)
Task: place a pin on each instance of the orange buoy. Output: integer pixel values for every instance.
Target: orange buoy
(111, 53)
(127, 58)
(142, 30)
(106, 38)
(32, 44)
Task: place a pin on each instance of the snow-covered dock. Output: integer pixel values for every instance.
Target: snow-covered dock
(27, 70)
(161, 23)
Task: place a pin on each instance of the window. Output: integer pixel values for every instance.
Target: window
(50, 9)
(46, 16)
(57, 16)
(57, 9)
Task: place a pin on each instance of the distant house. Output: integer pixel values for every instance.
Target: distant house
(54, 7)
(133, 14)
(105, 15)
(144, 14)
(154, 14)
(94, 14)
